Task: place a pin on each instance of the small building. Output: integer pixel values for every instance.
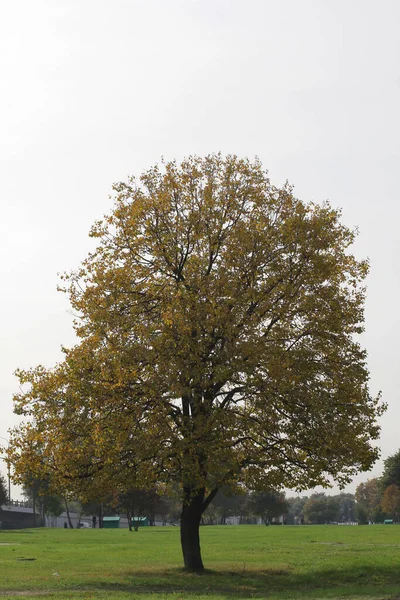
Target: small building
(111, 522)
(140, 521)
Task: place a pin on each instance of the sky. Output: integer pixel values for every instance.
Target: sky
(92, 91)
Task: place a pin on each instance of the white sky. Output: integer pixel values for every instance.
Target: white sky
(92, 91)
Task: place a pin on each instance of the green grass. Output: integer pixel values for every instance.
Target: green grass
(278, 563)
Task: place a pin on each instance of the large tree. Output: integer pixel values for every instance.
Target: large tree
(269, 504)
(346, 507)
(369, 495)
(321, 508)
(391, 471)
(391, 501)
(295, 509)
(228, 504)
(218, 321)
(38, 490)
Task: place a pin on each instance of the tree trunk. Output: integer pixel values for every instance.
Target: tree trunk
(190, 539)
(129, 517)
(68, 515)
(42, 514)
(34, 509)
(193, 507)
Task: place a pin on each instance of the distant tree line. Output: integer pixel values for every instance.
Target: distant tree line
(374, 501)
(379, 498)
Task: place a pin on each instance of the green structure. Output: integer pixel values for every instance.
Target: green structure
(140, 521)
(111, 522)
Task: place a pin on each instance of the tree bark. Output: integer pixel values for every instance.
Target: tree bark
(190, 534)
(194, 504)
(129, 517)
(42, 514)
(68, 515)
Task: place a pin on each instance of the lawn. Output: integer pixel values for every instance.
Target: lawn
(278, 563)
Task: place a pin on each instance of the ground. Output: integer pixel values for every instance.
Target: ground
(278, 563)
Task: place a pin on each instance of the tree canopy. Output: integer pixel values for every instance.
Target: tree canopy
(391, 471)
(269, 504)
(369, 495)
(321, 508)
(39, 491)
(391, 501)
(218, 321)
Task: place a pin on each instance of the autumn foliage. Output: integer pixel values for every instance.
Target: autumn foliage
(218, 321)
(391, 501)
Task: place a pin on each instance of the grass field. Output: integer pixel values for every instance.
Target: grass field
(278, 563)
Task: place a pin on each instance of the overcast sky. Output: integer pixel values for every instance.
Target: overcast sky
(93, 91)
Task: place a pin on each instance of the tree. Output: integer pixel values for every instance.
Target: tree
(67, 510)
(321, 508)
(391, 471)
(39, 491)
(346, 507)
(369, 495)
(228, 504)
(142, 503)
(217, 321)
(391, 501)
(268, 505)
(174, 509)
(3, 491)
(295, 509)
(361, 514)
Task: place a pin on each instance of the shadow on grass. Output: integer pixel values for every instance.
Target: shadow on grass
(13, 531)
(24, 531)
(242, 583)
